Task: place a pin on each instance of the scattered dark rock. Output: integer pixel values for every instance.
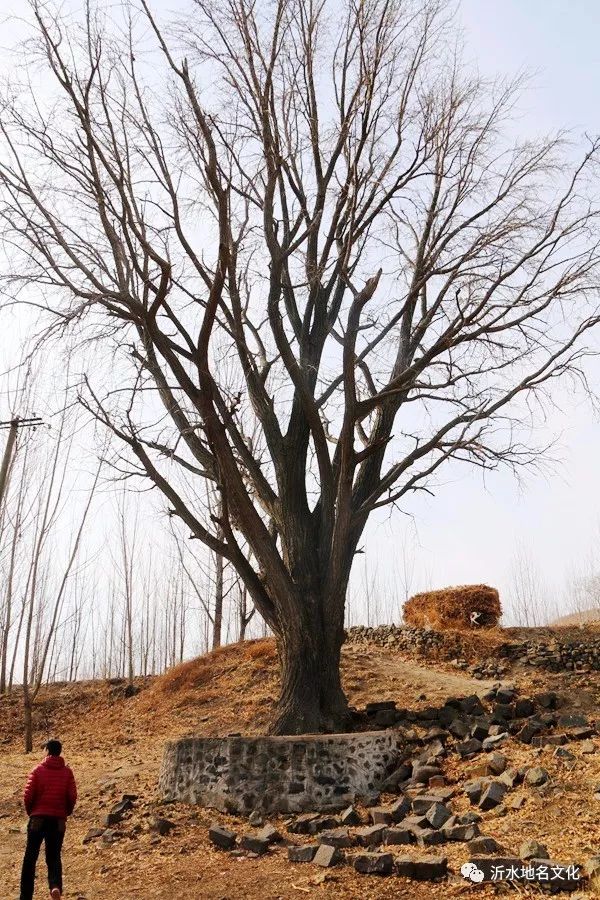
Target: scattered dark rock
(536, 776)
(402, 835)
(350, 817)
(483, 845)
(398, 776)
(270, 834)
(339, 837)
(400, 809)
(426, 868)
(327, 856)
(306, 824)
(254, 843)
(468, 749)
(374, 863)
(572, 720)
(221, 837)
(380, 706)
(524, 707)
(437, 815)
(461, 832)
(493, 795)
(422, 773)
(421, 805)
(428, 837)
(379, 815)
(302, 854)
(495, 740)
(497, 763)
(370, 836)
(529, 731)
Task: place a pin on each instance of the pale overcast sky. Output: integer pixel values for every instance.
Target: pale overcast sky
(470, 530)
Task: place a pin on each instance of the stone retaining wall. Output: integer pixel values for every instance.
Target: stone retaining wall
(550, 653)
(278, 774)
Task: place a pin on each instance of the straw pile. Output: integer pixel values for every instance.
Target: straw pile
(453, 607)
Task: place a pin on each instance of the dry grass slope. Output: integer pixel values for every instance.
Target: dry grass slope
(452, 607)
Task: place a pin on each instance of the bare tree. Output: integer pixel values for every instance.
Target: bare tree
(324, 267)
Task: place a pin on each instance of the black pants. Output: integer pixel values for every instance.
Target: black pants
(51, 832)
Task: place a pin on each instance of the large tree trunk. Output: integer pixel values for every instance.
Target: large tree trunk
(312, 700)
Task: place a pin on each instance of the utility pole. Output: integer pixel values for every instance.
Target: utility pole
(13, 426)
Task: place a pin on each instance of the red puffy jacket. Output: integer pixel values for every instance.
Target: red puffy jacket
(51, 789)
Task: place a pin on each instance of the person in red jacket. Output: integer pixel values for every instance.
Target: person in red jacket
(50, 797)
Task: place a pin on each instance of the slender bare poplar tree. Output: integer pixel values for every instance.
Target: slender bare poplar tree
(322, 266)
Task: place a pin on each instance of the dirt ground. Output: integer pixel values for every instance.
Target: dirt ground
(115, 747)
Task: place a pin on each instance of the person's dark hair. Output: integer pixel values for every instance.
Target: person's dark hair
(54, 748)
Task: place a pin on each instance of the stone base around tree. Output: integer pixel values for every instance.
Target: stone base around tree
(278, 774)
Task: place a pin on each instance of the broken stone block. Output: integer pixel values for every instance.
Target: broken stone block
(506, 694)
(385, 718)
(426, 868)
(461, 832)
(483, 845)
(400, 809)
(422, 773)
(338, 837)
(492, 796)
(221, 837)
(437, 815)
(502, 712)
(402, 835)
(428, 837)
(322, 823)
(474, 790)
(303, 824)
(327, 856)
(398, 777)
(495, 740)
(479, 731)
(256, 819)
(588, 747)
(350, 817)
(254, 844)
(497, 763)
(549, 740)
(467, 749)
(381, 816)
(270, 834)
(529, 731)
(302, 854)
(459, 729)
(379, 706)
(573, 720)
(548, 700)
(374, 863)
(536, 776)
(524, 707)
(472, 706)
(421, 805)
(469, 818)
(370, 836)
(510, 778)
(437, 781)
(533, 850)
